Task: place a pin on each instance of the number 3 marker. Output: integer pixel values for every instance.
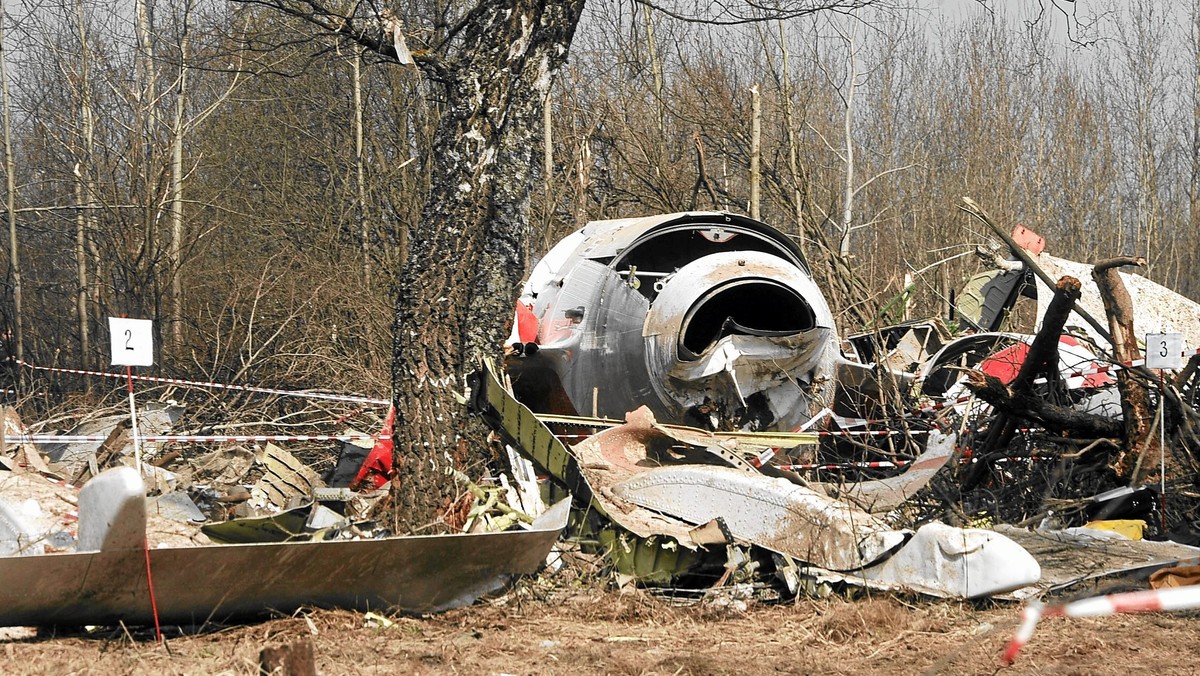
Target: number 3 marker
(1164, 351)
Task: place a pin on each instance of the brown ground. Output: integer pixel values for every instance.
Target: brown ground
(633, 633)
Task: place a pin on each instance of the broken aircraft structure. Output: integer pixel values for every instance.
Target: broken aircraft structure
(103, 575)
(106, 553)
(680, 377)
(711, 320)
(707, 319)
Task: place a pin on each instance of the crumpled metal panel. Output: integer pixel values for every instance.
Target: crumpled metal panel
(598, 359)
(619, 456)
(153, 418)
(215, 583)
(769, 512)
(597, 289)
(737, 366)
(112, 511)
(964, 562)
(620, 453)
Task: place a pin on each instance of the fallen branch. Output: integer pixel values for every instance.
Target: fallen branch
(1017, 401)
(1032, 407)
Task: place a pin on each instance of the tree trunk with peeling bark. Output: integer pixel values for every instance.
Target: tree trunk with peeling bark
(457, 288)
(1135, 400)
(493, 64)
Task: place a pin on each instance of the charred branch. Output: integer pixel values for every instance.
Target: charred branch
(1028, 406)
(1016, 401)
(1042, 355)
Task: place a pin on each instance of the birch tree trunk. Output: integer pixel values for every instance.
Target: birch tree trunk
(656, 69)
(789, 121)
(755, 151)
(456, 289)
(18, 337)
(84, 187)
(360, 176)
(148, 118)
(178, 128)
(847, 221)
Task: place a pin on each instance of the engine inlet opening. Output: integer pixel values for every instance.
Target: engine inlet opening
(754, 307)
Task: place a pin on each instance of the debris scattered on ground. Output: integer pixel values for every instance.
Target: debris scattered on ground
(681, 382)
(1037, 423)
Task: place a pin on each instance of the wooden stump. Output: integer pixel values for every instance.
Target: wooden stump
(293, 659)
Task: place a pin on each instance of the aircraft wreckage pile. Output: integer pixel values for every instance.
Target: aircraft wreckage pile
(679, 381)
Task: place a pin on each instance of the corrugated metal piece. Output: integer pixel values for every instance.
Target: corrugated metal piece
(285, 477)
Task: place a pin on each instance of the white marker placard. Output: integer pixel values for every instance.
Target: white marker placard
(1164, 350)
(132, 341)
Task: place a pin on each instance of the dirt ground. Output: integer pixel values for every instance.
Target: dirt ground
(599, 632)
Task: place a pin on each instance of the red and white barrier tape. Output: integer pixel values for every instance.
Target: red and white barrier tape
(885, 464)
(1145, 601)
(1030, 615)
(869, 433)
(764, 457)
(944, 404)
(1108, 368)
(881, 464)
(223, 386)
(168, 438)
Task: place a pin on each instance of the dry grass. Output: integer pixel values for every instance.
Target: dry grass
(587, 631)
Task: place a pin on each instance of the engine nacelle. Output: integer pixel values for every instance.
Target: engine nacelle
(709, 319)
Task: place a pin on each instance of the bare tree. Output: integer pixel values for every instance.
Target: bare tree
(10, 168)
(491, 64)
